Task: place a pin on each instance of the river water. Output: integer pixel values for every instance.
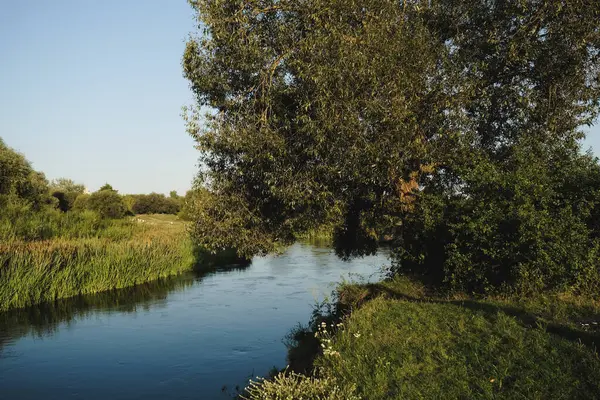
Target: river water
(187, 337)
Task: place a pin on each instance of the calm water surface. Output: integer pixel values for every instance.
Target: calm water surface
(180, 338)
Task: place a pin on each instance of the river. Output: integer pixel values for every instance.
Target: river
(186, 337)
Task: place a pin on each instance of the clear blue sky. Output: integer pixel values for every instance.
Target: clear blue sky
(92, 90)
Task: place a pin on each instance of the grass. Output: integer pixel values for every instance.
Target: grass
(399, 340)
(117, 255)
(20, 223)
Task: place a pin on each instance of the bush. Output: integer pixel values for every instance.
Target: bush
(190, 203)
(65, 200)
(66, 191)
(155, 203)
(528, 227)
(107, 203)
(81, 202)
(129, 200)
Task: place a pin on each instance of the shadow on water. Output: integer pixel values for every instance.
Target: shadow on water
(44, 319)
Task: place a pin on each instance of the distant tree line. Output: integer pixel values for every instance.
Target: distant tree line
(21, 185)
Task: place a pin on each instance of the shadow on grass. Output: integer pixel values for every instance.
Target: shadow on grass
(525, 318)
(303, 347)
(531, 320)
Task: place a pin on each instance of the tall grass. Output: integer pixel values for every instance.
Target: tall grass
(47, 254)
(34, 272)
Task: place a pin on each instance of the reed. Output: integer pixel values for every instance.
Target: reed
(121, 255)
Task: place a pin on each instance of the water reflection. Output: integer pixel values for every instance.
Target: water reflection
(45, 319)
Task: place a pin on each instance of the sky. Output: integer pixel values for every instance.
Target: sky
(92, 90)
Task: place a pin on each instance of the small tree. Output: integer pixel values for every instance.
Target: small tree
(66, 191)
(66, 185)
(106, 186)
(81, 203)
(19, 180)
(107, 203)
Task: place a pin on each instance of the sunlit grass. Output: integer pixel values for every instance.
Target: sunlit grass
(121, 254)
(399, 340)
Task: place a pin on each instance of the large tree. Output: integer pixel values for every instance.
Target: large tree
(316, 118)
(436, 122)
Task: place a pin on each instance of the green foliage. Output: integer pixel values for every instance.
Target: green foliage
(20, 222)
(316, 125)
(107, 203)
(155, 203)
(67, 186)
(106, 186)
(66, 192)
(81, 202)
(65, 200)
(191, 203)
(80, 247)
(19, 182)
(457, 136)
(530, 227)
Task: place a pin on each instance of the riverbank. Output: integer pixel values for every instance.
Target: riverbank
(186, 336)
(399, 340)
(123, 254)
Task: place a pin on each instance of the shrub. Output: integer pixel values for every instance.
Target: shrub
(66, 191)
(107, 203)
(65, 200)
(81, 202)
(190, 203)
(529, 226)
(155, 203)
(21, 222)
(129, 200)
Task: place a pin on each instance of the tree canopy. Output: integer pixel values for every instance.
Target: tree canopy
(66, 191)
(19, 181)
(107, 186)
(452, 126)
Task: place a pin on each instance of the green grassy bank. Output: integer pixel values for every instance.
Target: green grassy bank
(397, 340)
(118, 255)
